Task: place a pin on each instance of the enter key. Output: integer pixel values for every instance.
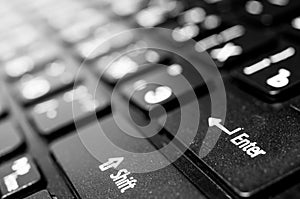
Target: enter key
(256, 146)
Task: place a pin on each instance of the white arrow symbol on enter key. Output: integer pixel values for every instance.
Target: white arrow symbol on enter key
(217, 122)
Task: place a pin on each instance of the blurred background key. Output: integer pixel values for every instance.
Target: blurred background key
(57, 76)
(36, 57)
(292, 30)
(177, 80)
(10, 138)
(73, 108)
(231, 46)
(270, 12)
(136, 59)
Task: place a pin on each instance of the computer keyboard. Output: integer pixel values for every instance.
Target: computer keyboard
(278, 65)
(58, 97)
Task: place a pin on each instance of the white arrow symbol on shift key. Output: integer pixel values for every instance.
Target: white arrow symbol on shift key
(111, 163)
(217, 122)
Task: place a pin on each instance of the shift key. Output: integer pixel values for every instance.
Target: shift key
(125, 167)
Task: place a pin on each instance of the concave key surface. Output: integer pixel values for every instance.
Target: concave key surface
(258, 147)
(94, 179)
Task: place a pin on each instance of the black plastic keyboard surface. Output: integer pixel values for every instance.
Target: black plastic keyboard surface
(56, 85)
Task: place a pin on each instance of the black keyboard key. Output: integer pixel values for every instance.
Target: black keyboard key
(85, 174)
(126, 9)
(87, 20)
(270, 12)
(259, 153)
(76, 106)
(292, 30)
(195, 23)
(42, 52)
(273, 75)
(18, 39)
(10, 138)
(116, 66)
(40, 195)
(18, 176)
(163, 85)
(158, 12)
(232, 44)
(34, 59)
(105, 39)
(57, 76)
(18, 66)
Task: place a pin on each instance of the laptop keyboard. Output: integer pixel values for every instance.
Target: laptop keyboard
(55, 87)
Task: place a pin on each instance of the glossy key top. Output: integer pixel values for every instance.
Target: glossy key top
(35, 58)
(114, 176)
(231, 45)
(104, 39)
(270, 12)
(157, 12)
(292, 29)
(164, 85)
(127, 62)
(76, 106)
(273, 75)
(18, 176)
(57, 76)
(87, 20)
(199, 21)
